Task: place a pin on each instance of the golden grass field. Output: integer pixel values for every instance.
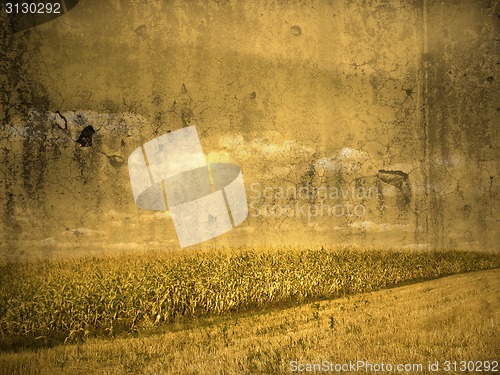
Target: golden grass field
(453, 318)
(247, 312)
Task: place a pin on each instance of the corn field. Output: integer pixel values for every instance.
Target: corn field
(66, 300)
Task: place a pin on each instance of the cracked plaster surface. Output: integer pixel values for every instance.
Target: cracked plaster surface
(335, 98)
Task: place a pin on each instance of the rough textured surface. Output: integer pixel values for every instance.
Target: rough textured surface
(398, 101)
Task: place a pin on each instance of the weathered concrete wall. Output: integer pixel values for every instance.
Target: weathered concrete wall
(395, 100)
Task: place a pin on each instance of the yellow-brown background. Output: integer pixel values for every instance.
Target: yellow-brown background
(276, 87)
